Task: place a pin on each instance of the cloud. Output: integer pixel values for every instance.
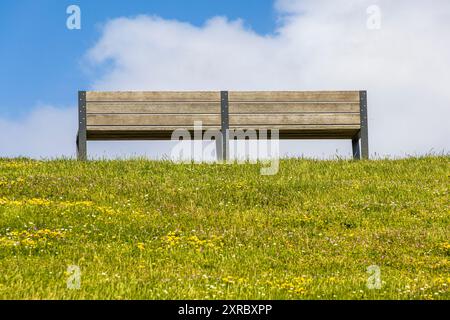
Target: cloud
(318, 45)
(47, 132)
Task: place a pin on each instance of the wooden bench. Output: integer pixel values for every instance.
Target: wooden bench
(155, 115)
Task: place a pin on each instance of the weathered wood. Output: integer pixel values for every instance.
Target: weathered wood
(151, 119)
(149, 133)
(129, 96)
(155, 107)
(294, 119)
(298, 126)
(292, 107)
(146, 127)
(134, 134)
(256, 127)
(214, 107)
(295, 96)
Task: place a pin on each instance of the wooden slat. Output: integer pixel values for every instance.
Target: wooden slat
(294, 96)
(152, 96)
(302, 133)
(300, 126)
(294, 119)
(146, 128)
(151, 119)
(152, 133)
(318, 134)
(280, 127)
(133, 135)
(211, 107)
(153, 107)
(291, 107)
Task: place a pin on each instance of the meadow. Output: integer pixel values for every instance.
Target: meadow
(140, 229)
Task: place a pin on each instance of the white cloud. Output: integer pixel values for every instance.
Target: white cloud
(319, 44)
(47, 132)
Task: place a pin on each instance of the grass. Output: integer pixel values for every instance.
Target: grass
(156, 230)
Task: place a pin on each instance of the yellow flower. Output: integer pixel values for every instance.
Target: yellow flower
(228, 279)
(141, 246)
(445, 245)
(28, 243)
(31, 239)
(38, 202)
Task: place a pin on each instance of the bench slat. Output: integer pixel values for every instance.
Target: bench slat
(161, 133)
(208, 119)
(294, 119)
(291, 107)
(294, 96)
(152, 96)
(214, 107)
(152, 119)
(256, 127)
(153, 107)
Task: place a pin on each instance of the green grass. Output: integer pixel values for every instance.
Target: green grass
(157, 230)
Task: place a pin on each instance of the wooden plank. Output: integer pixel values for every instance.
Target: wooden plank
(235, 120)
(151, 119)
(294, 119)
(154, 107)
(146, 128)
(341, 134)
(151, 133)
(294, 96)
(291, 107)
(280, 127)
(303, 134)
(152, 96)
(132, 135)
(303, 127)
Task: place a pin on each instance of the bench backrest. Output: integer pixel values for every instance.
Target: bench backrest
(154, 115)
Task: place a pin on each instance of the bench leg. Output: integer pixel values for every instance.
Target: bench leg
(365, 145)
(364, 133)
(222, 147)
(219, 148)
(82, 135)
(356, 149)
(81, 148)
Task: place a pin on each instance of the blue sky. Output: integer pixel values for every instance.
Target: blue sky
(41, 60)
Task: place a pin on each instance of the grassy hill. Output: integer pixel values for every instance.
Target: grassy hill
(157, 230)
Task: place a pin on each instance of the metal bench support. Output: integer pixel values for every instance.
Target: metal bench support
(223, 151)
(81, 136)
(364, 133)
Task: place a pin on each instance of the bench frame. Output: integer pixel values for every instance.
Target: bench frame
(360, 142)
